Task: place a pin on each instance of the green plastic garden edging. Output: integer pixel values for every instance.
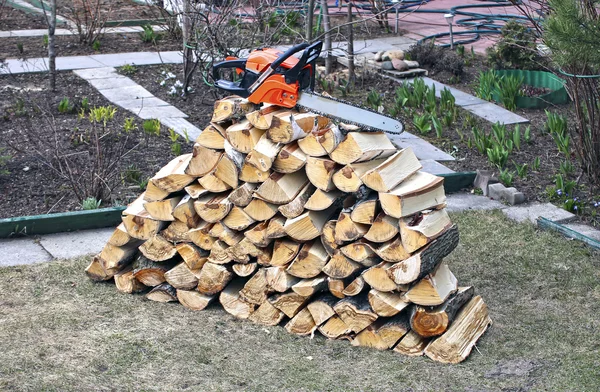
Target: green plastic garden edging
(107, 217)
(557, 96)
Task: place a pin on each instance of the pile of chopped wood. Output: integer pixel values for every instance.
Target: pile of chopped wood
(284, 218)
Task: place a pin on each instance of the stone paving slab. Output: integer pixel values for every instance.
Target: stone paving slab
(67, 63)
(96, 73)
(458, 202)
(137, 58)
(433, 167)
(136, 104)
(117, 81)
(21, 251)
(181, 126)
(160, 112)
(422, 148)
(75, 244)
(126, 93)
(494, 113)
(532, 211)
(585, 230)
(57, 32)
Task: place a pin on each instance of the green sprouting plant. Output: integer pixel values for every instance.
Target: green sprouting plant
(149, 35)
(502, 136)
(419, 91)
(143, 184)
(96, 45)
(85, 104)
(404, 96)
(508, 89)
(128, 69)
(4, 158)
(176, 148)
(430, 101)
(174, 136)
(437, 125)
(343, 87)
(527, 135)
(186, 136)
(498, 155)
(535, 165)
(574, 205)
(460, 50)
(521, 169)
(516, 137)
(469, 142)
(91, 203)
(129, 125)
(132, 174)
(447, 100)
(469, 121)
(151, 127)
(481, 140)
(19, 108)
(454, 79)
(64, 106)
(449, 117)
(460, 134)
(556, 125)
(422, 123)
(20, 47)
(506, 177)
(45, 40)
(564, 187)
(486, 84)
(566, 168)
(102, 114)
(374, 100)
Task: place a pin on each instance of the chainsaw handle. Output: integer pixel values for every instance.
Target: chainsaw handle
(287, 54)
(237, 63)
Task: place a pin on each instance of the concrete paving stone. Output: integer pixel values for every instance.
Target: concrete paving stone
(126, 93)
(116, 81)
(463, 99)
(160, 112)
(458, 202)
(586, 230)
(17, 66)
(75, 244)
(138, 58)
(67, 63)
(494, 113)
(433, 167)
(533, 211)
(181, 125)
(21, 251)
(422, 148)
(96, 73)
(171, 57)
(139, 103)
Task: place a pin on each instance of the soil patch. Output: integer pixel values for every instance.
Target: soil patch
(15, 19)
(113, 9)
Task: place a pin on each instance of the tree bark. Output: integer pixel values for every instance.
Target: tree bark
(327, 27)
(351, 72)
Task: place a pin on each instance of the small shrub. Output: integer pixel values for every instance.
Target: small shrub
(149, 35)
(128, 69)
(96, 45)
(422, 123)
(91, 203)
(436, 58)
(506, 177)
(516, 48)
(102, 114)
(485, 84)
(129, 125)
(151, 128)
(508, 89)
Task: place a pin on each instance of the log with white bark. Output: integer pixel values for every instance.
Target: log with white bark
(434, 321)
(419, 192)
(362, 146)
(173, 176)
(194, 300)
(310, 260)
(253, 175)
(418, 230)
(308, 225)
(387, 304)
(330, 137)
(433, 289)
(232, 302)
(229, 166)
(213, 278)
(264, 153)
(282, 188)
(288, 126)
(290, 159)
(243, 136)
(297, 205)
(392, 171)
(310, 145)
(164, 292)
(230, 108)
(263, 118)
(213, 184)
(242, 195)
(320, 172)
(211, 137)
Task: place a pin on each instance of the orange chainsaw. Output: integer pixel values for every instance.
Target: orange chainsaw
(271, 76)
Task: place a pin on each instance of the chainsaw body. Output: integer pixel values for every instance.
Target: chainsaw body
(270, 75)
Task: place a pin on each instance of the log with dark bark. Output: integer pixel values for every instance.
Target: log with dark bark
(164, 292)
(295, 208)
(434, 288)
(387, 304)
(383, 334)
(412, 344)
(151, 273)
(127, 283)
(419, 230)
(355, 312)
(308, 287)
(321, 309)
(334, 328)
(242, 195)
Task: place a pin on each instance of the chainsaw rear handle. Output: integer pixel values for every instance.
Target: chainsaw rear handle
(231, 87)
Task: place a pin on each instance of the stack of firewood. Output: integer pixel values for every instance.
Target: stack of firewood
(286, 217)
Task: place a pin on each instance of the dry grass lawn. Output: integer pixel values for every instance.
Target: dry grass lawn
(61, 332)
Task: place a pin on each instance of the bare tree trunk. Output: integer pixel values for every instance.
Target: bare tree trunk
(326, 27)
(351, 73)
(51, 21)
(310, 15)
(188, 53)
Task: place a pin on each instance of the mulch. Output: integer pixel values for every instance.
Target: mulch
(15, 19)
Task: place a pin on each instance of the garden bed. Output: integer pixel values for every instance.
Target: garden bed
(15, 19)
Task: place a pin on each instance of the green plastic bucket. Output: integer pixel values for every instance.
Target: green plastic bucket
(557, 96)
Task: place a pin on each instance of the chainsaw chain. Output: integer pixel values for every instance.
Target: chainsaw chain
(342, 120)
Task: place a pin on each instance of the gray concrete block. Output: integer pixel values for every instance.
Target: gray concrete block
(533, 211)
(494, 113)
(181, 125)
(422, 148)
(514, 198)
(586, 230)
(458, 202)
(96, 73)
(160, 112)
(20, 251)
(75, 244)
(67, 63)
(115, 82)
(496, 191)
(483, 179)
(126, 93)
(137, 104)
(433, 167)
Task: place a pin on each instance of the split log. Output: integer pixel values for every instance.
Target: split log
(242, 195)
(125, 282)
(281, 188)
(334, 328)
(429, 322)
(366, 210)
(238, 219)
(426, 260)
(164, 292)
(120, 237)
(115, 258)
(229, 166)
(321, 309)
(253, 175)
(177, 232)
(412, 345)
(279, 280)
(355, 288)
(275, 228)
(363, 146)
(310, 260)
(194, 300)
(301, 324)
(184, 212)
(392, 251)
(419, 192)
(330, 137)
(340, 267)
(320, 172)
(204, 160)
(289, 303)
(267, 314)
(321, 200)
(195, 190)
(231, 108)
(308, 225)
(355, 312)
(243, 136)
(287, 127)
(420, 229)
(231, 300)
(290, 159)
(260, 210)
(393, 171)
(263, 118)
(256, 289)
(378, 277)
(347, 179)
(294, 208)
(456, 343)
(158, 249)
(387, 304)
(200, 236)
(383, 229)
(174, 177)
(138, 222)
(244, 270)
(193, 256)
(151, 273)
(213, 278)
(337, 286)
(284, 251)
(213, 208)
(219, 253)
(154, 193)
(264, 153)
(225, 234)
(96, 272)
(435, 288)
(328, 237)
(213, 184)
(308, 287)
(383, 334)
(181, 277)
(211, 137)
(361, 252)
(310, 145)
(242, 251)
(258, 234)
(348, 230)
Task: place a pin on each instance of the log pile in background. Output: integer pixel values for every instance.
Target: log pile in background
(283, 218)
